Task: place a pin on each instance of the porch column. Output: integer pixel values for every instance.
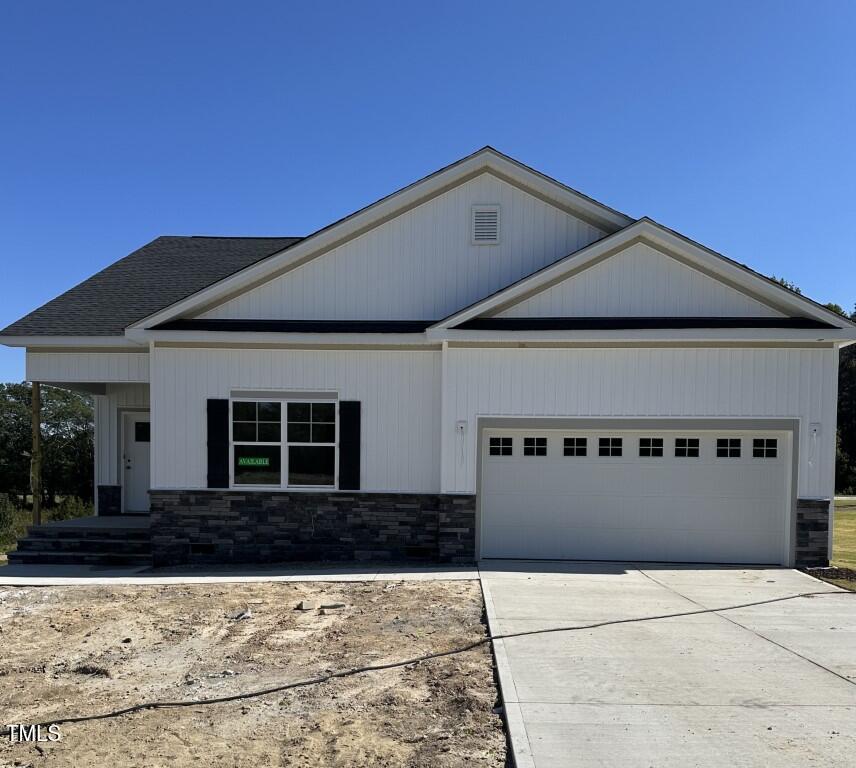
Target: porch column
(36, 454)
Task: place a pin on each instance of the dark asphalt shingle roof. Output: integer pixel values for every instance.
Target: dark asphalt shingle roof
(161, 273)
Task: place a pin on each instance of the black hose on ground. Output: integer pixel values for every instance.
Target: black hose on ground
(418, 659)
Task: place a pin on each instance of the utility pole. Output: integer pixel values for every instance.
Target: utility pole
(36, 456)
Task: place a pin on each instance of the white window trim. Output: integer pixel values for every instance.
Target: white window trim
(283, 444)
(492, 207)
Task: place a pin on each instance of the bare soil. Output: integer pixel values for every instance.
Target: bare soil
(81, 650)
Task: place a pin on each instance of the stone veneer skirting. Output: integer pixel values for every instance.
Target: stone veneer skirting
(109, 500)
(812, 535)
(228, 526)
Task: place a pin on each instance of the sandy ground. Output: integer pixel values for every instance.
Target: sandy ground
(78, 650)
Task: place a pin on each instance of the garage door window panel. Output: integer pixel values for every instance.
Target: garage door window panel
(765, 448)
(501, 446)
(575, 446)
(610, 446)
(728, 447)
(534, 446)
(651, 447)
(687, 447)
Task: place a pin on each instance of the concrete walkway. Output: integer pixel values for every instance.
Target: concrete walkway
(771, 685)
(77, 575)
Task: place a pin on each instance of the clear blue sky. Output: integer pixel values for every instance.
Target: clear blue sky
(732, 122)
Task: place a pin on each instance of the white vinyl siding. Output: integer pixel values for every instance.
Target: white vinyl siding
(640, 282)
(399, 393)
(100, 367)
(421, 265)
(703, 382)
(108, 427)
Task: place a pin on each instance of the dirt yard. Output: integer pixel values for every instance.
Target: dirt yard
(79, 650)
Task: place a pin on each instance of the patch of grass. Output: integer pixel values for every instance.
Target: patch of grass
(15, 520)
(844, 535)
(13, 525)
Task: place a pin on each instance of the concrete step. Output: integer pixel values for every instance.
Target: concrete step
(115, 546)
(81, 557)
(83, 532)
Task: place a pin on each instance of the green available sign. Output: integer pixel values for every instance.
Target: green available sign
(253, 461)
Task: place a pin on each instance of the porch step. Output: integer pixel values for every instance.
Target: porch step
(87, 541)
(47, 532)
(67, 544)
(80, 557)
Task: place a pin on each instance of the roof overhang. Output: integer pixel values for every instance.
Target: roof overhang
(486, 160)
(715, 265)
(103, 343)
(273, 339)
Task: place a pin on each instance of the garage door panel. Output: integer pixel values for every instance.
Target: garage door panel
(634, 507)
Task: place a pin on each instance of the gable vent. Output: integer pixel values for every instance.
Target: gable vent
(485, 225)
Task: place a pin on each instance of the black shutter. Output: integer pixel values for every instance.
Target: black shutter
(218, 443)
(349, 445)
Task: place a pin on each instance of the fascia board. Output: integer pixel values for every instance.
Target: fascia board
(307, 339)
(668, 335)
(33, 342)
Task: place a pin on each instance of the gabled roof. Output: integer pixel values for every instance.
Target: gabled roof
(729, 272)
(153, 277)
(485, 160)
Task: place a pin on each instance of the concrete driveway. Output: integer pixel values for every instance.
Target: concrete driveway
(772, 685)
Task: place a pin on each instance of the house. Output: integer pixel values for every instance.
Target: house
(484, 364)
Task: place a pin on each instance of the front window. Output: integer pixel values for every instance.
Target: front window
(299, 453)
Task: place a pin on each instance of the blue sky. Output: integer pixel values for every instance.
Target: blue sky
(732, 122)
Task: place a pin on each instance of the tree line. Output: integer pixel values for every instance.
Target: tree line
(68, 440)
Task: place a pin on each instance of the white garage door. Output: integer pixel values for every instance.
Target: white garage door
(717, 497)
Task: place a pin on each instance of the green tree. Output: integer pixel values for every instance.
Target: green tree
(15, 438)
(67, 442)
(845, 466)
(786, 284)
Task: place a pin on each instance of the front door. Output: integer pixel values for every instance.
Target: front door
(136, 439)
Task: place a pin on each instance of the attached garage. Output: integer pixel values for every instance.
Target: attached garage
(669, 495)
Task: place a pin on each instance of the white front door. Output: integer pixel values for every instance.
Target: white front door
(679, 496)
(136, 439)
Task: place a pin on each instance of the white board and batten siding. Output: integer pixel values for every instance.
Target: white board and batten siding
(399, 392)
(421, 265)
(640, 282)
(108, 413)
(98, 367)
(703, 383)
